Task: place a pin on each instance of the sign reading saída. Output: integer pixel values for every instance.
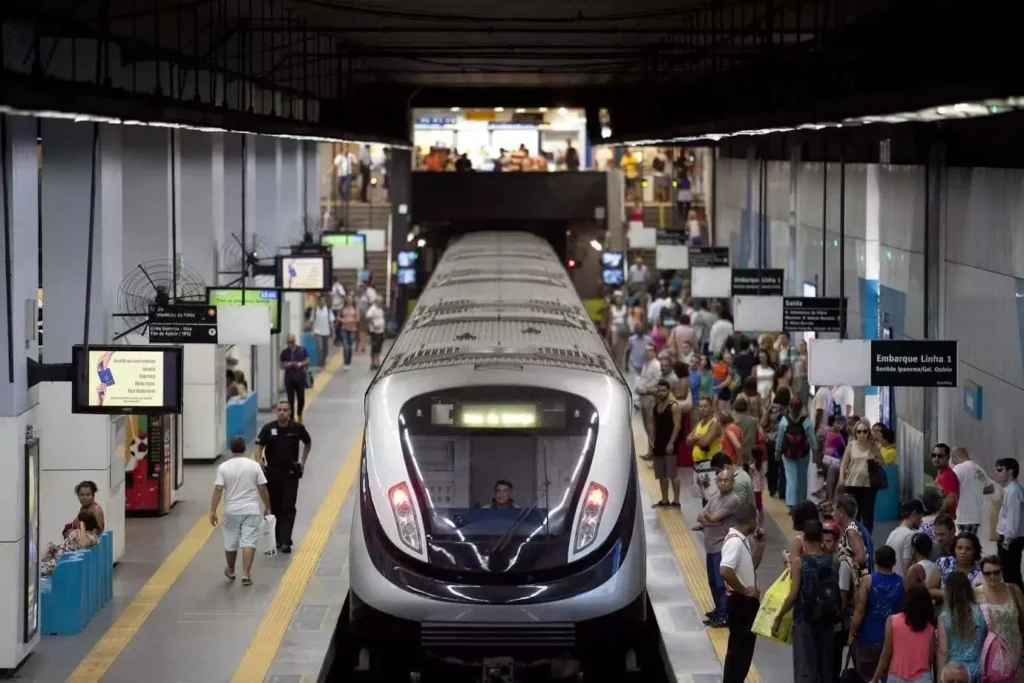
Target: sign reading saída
(812, 314)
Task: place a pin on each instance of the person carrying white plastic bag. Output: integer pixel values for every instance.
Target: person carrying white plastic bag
(242, 485)
(268, 536)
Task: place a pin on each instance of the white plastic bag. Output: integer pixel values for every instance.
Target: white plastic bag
(267, 543)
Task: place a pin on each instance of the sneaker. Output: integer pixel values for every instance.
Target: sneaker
(246, 581)
(286, 549)
(661, 504)
(228, 575)
(675, 504)
(714, 622)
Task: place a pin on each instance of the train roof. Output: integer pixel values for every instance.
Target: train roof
(499, 298)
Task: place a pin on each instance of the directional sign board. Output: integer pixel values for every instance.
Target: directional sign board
(758, 282)
(709, 257)
(906, 363)
(183, 324)
(812, 314)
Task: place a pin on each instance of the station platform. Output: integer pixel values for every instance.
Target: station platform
(175, 618)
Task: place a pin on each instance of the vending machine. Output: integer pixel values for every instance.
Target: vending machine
(152, 478)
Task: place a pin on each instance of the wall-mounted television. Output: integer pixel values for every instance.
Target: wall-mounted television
(611, 259)
(238, 296)
(133, 380)
(613, 277)
(308, 273)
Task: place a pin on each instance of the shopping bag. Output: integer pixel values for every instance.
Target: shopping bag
(993, 519)
(771, 603)
(267, 542)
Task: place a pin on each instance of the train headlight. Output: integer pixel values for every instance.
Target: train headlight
(590, 516)
(405, 516)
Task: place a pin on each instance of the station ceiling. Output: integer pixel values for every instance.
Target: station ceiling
(660, 67)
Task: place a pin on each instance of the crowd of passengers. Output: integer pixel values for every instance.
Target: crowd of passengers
(736, 414)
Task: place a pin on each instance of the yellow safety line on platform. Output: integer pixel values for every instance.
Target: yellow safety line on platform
(684, 548)
(103, 654)
(270, 633)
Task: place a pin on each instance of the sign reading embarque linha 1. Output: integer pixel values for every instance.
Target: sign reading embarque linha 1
(913, 363)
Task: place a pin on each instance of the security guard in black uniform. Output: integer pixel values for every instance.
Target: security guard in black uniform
(277, 449)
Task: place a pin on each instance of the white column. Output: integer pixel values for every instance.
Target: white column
(17, 409)
(204, 388)
(74, 448)
(872, 269)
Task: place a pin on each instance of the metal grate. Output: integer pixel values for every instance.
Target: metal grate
(442, 635)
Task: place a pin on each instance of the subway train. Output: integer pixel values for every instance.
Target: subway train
(498, 532)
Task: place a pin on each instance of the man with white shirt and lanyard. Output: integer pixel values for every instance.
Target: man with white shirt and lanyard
(974, 486)
(741, 556)
(1010, 526)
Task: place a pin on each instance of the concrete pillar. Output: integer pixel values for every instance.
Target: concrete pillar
(74, 448)
(870, 284)
(311, 196)
(147, 198)
(18, 411)
(204, 388)
(263, 172)
(400, 193)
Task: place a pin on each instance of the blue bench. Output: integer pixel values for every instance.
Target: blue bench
(241, 418)
(82, 583)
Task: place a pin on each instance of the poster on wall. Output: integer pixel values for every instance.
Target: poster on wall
(31, 621)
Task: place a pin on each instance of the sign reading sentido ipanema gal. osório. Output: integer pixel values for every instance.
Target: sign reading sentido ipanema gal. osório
(913, 363)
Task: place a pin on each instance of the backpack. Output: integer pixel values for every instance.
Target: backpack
(998, 660)
(795, 444)
(824, 601)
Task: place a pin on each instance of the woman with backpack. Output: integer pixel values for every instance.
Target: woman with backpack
(879, 596)
(795, 441)
(1002, 605)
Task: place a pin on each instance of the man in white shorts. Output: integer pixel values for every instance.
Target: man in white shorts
(242, 484)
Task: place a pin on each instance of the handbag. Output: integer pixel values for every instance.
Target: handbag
(310, 378)
(849, 674)
(877, 476)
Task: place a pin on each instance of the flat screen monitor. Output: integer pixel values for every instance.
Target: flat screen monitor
(613, 276)
(132, 380)
(407, 259)
(304, 273)
(406, 276)
(342, 239)
(611, 259)
(234, 296)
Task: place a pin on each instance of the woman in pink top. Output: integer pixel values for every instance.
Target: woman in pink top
(908, 652)
(658, 335)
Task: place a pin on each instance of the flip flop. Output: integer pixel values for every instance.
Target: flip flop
(246, 581)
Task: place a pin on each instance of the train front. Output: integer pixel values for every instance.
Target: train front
(499, 522)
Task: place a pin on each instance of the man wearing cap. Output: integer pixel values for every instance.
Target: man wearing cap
(900, 538)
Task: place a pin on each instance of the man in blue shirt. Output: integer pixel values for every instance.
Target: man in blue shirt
(1010, 525)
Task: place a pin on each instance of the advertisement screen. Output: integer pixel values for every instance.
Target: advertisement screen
(232, 296)
(406, 276)
(612, 276)
(407, 259)
(303, 273)
(611, 259)
(127, 379)
(31, 625)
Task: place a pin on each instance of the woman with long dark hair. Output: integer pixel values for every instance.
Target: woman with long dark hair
(962, 628)
(908, 651)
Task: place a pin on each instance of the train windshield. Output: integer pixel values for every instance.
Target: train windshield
(499, 472)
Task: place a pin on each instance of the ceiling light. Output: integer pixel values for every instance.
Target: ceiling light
(499, 109)
(562, 111)
(543, 110)
(421, 243)
(455, 108)
(520, 111)
(596, 245)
